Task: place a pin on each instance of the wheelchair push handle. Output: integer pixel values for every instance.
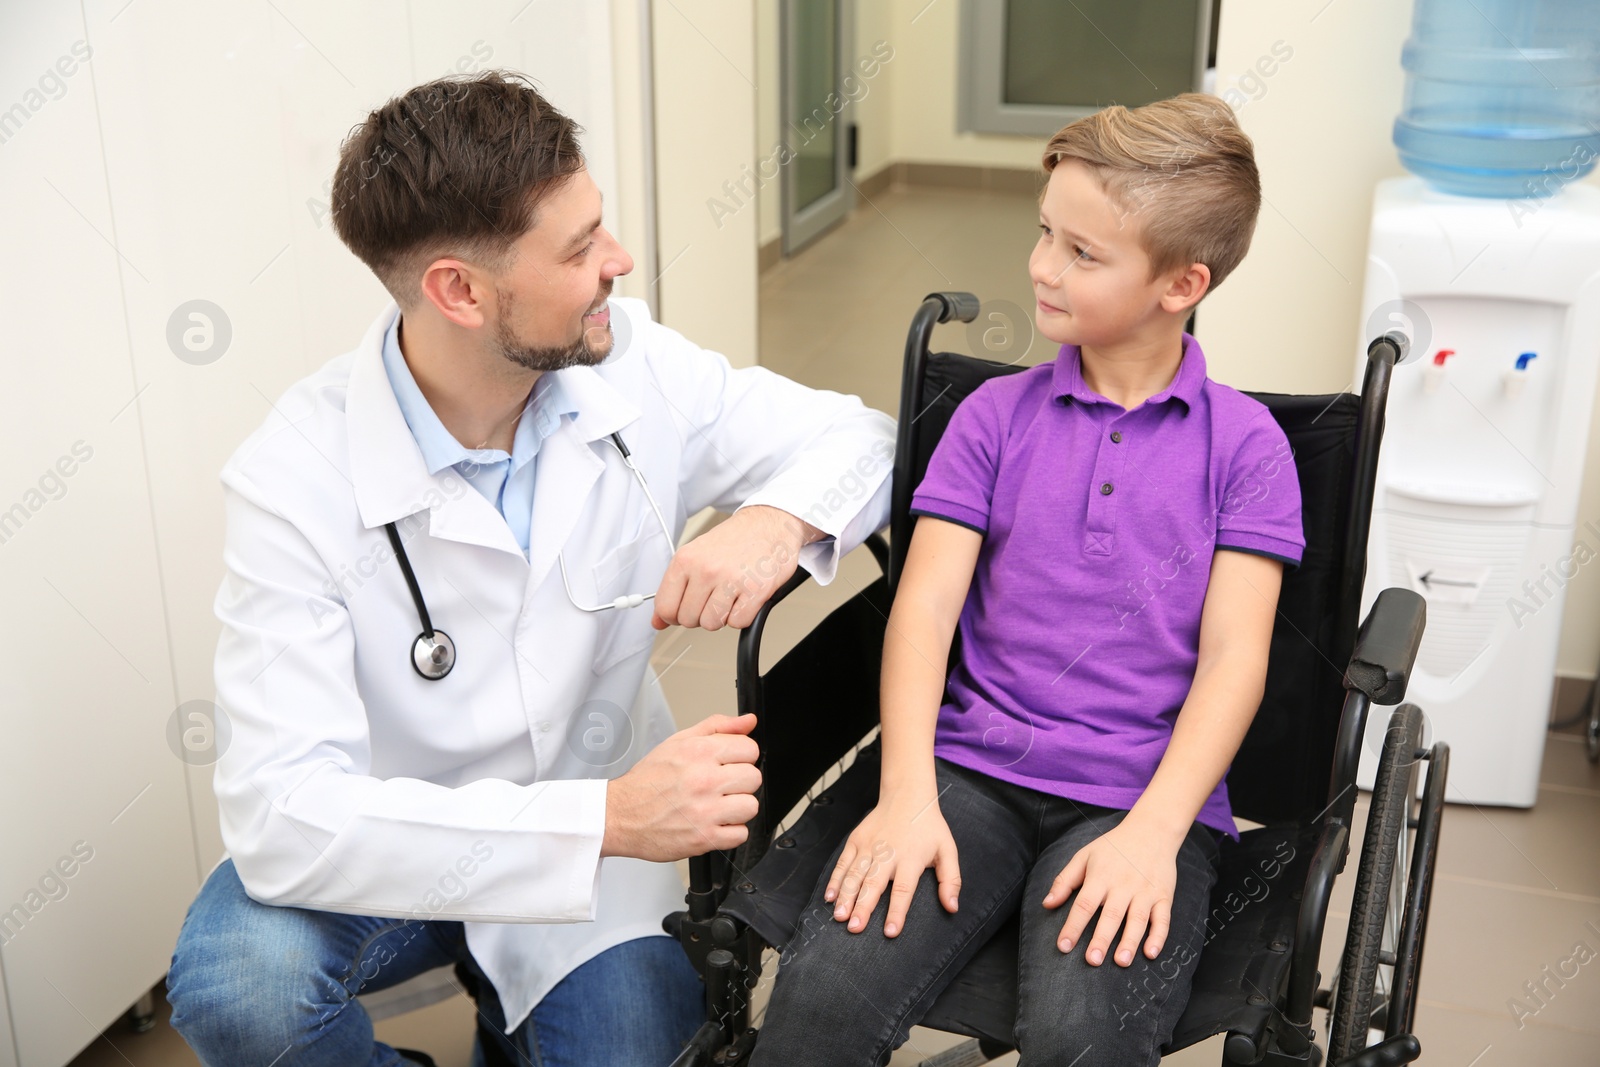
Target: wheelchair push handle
(1391, 348)
(962, 307)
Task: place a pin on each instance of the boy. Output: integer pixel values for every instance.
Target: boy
(1109, 532)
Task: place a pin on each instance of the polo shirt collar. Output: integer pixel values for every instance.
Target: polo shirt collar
(1067, 377)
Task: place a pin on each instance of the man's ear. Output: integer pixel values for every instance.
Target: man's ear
(460, 291)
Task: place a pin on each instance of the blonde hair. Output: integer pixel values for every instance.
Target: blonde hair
(1183, 168)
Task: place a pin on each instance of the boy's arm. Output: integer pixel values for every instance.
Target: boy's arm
(916, 650)
(1131, 870)
(905, 833)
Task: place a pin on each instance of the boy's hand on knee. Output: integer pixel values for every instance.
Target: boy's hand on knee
(1127, 874)
(891, 848)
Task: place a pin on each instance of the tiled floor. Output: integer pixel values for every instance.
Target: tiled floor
(1515, 888)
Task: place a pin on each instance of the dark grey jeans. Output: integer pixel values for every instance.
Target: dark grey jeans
(844, 998)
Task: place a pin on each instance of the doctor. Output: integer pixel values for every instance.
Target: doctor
(447, 745)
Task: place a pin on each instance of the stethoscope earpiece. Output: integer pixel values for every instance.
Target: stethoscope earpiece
(433, 656)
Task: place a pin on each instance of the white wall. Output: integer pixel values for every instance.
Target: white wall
(89, 681)
(186, 159)
(632, 217)
(874, 111)
(705, 113)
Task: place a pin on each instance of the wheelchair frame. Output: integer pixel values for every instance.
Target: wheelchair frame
(1388, 915)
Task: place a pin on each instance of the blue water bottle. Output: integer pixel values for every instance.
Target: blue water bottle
(1502, 96)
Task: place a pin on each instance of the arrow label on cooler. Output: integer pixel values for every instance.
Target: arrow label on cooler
(1428, 578)
(1448, 581)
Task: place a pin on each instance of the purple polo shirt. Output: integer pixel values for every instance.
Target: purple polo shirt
(1081, 632)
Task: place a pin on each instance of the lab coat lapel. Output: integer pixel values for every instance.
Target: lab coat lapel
(569, 465)
(568, 469)
(388, 474)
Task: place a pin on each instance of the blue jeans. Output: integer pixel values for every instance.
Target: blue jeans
(253, 985)
(845, 999)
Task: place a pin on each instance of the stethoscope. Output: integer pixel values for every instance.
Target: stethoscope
(433, 653)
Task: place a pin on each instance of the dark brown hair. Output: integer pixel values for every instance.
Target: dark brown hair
(1182, 168)
(453, 167)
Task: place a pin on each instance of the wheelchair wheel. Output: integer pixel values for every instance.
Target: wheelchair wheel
(1361, 990)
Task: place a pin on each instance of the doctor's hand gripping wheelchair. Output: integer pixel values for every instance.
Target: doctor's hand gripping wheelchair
(1257, 980)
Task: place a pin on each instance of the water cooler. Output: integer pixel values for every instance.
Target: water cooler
(1476, 499)
(1489, 260)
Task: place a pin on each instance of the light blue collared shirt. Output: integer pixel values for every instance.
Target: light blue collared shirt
(505, 480)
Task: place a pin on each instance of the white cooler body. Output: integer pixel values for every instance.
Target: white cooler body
(1476, 500)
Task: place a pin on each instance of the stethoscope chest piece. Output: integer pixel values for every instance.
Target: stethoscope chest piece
(433, 655)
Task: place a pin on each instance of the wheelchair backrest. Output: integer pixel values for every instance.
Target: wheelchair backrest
(1283, 768)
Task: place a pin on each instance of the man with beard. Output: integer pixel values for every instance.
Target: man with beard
(505, 464)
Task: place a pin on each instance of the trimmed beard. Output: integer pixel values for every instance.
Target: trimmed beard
(547, 357)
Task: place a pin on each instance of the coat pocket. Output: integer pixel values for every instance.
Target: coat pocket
(635, 566)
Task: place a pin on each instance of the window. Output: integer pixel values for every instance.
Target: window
(1032, 66)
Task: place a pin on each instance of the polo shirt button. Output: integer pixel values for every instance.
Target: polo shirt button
(1116, 436)
(1105, 489)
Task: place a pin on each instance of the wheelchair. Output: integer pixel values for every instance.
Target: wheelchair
(1257, 980)
(1295, 774)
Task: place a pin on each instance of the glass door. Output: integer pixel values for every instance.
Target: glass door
(817, 192)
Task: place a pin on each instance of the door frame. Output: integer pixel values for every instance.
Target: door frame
(802, 227)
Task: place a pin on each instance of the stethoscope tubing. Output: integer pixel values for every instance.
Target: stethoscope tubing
(411, 578)
(435, 647)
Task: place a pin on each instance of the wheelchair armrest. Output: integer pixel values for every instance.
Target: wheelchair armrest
(747, 663)
(1386, 647)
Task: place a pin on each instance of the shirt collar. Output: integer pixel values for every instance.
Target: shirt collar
(1067, 377)
(547, 402)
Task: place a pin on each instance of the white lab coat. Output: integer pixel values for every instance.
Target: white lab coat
(349, 783)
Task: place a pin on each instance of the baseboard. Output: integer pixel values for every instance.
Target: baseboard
(769, 255)
(1571, 697)
(879, 181)
(969, 176)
